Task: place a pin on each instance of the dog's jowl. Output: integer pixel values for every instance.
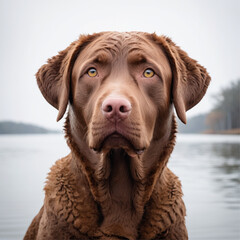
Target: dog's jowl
(120, 90)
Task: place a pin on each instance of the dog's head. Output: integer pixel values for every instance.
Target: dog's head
(121, 87)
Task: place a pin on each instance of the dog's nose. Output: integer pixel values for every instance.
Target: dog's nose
(116, 108)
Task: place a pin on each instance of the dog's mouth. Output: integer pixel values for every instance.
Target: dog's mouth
(116, 140)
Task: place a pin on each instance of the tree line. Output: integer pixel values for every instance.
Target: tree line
(226, 113)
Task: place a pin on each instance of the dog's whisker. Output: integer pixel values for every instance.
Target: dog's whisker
(133, 134)
(98, 123)
(132, 128)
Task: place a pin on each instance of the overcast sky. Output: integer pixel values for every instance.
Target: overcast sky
(32, 31)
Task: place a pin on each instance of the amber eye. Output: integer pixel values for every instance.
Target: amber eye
(148, 73)
(92, 72)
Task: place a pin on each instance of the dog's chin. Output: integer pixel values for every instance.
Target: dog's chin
(117, 141)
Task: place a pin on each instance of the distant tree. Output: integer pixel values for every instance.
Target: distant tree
(214, 120)
(194, 124)
(226, 113)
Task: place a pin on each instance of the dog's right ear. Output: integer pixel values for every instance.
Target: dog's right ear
(54, 77)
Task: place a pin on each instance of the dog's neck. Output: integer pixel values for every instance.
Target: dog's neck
(117, 195)
(121, 184)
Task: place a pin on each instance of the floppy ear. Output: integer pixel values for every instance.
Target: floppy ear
(190, 79)
(54, 77)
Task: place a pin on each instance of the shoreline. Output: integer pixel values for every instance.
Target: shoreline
(235, 131)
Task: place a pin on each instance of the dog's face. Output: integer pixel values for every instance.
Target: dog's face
(121, 87)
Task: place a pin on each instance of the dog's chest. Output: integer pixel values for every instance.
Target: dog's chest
(72, 202)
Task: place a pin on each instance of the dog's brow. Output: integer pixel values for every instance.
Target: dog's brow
(136, 58)
(101, 57)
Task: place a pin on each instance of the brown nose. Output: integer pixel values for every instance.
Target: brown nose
(116, 108)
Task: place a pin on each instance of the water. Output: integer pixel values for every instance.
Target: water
(208, 166)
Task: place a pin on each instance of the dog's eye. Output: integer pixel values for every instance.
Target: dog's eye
(92, 72)
(148, 73)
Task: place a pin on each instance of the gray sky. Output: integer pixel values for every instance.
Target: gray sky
(32, 31)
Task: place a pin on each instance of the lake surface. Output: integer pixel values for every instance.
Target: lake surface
(208, 166)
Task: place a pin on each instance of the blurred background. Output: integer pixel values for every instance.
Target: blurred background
(207, 154)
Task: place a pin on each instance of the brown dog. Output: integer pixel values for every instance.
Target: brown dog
(120, 127)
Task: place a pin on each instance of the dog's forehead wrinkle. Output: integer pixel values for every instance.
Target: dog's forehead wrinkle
(119, 44)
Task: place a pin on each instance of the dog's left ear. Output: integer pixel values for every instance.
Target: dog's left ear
(190, 79)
